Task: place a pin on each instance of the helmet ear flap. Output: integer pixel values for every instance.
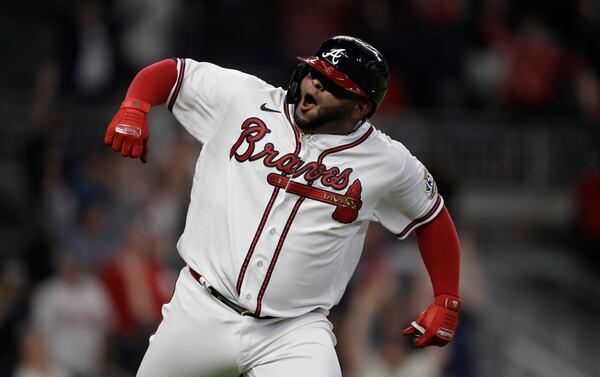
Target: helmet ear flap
(294, 86)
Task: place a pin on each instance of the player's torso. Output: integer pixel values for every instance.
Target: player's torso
(277, 220)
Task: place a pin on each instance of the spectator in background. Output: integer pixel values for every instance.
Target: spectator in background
(138, 287)
(50, 206)
(72, 312)
(373, 344)
(94, 65)
(426, 47)
(147, 30)
(535, 69)
(90, 237)
(81, 58)
(58, 205)
(486, 66)
(14, 311)
(534, 66)
(34, 360)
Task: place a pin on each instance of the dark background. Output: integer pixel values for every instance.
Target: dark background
(499, 98)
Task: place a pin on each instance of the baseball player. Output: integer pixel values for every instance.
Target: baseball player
(284, 189)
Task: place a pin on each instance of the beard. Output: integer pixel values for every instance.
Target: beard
(324, 115)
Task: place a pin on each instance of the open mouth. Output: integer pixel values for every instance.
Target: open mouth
(308, 102)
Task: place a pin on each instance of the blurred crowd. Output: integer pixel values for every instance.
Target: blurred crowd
(534, 56)
(84, 294)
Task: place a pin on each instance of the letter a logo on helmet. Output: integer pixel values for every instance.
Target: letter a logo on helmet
(335, 54)
(349, 63)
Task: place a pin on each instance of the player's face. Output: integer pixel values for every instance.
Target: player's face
(323, 105)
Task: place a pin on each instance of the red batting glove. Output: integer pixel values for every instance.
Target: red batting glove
(437, 324)
(127, 132)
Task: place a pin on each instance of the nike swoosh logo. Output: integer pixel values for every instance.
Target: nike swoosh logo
(264, 107)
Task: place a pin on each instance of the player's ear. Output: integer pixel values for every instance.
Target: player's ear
(361, 109)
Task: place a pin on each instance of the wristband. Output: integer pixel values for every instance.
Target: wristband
(449, 302)
(132, 103)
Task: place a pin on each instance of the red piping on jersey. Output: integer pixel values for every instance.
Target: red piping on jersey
(346, 146)
(286, 110)
(421, 219)
(178, 85)
(261, 225)
(265, 215)
(288, 224)
(276, 254)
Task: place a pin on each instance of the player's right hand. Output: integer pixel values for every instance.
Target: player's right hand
(127, 132)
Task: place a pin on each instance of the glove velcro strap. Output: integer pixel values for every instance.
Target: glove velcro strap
(447, 301)
(132, 103)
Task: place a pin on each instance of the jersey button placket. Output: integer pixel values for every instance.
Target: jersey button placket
(255, 273)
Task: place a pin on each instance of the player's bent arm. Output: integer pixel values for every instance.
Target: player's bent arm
(440, 251)
(128, 131)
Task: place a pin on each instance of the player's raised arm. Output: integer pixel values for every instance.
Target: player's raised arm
(440, 250)
(127, 132)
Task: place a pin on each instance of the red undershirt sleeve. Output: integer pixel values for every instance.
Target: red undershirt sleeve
(440, 251)
(154, 83)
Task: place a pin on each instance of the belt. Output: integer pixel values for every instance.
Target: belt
(237, 308)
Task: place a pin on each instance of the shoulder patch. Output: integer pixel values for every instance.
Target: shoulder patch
(430, 185)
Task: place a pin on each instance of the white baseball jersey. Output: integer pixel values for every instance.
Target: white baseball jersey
(277, 219)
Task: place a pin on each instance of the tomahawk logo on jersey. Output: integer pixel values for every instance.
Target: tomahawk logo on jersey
(296, 208)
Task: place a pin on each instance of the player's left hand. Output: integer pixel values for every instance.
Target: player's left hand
(127, 132)
(437, 324)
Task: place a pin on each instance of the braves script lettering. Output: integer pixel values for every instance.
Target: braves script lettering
(254, 130)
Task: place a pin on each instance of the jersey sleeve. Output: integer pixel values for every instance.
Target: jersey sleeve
(412, 199)
(201, 95)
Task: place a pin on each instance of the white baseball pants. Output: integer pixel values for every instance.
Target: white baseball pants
(201, 337)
